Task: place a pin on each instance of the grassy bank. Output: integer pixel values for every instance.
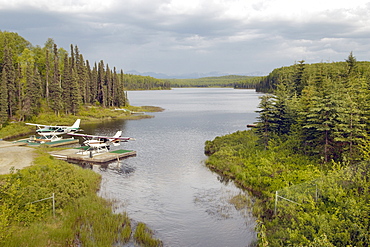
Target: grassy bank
(81, 217)
(318, 204)
(88, 114)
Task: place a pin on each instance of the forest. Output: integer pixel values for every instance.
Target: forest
(35, 79)
(235, 81)
(306, 161)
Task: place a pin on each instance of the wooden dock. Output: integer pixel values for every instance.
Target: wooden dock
(76, 154)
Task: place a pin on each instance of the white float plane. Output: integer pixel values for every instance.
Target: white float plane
(102, 142)
(50, 130)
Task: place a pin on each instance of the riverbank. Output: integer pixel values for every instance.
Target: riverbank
(90, 114)
(296, 201)
(12, 155)
(15, 157)
(29, 216)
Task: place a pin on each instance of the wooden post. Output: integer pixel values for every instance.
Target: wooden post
(276, 199)
(53, 205)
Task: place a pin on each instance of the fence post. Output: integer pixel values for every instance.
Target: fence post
(276, 198)
(53, 205)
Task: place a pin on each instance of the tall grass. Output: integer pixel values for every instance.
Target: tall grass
(81, 216)
(144, 236)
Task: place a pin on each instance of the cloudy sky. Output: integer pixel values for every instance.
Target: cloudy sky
(185, 36)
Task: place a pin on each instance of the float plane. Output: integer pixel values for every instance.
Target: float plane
(97, 142)
(50, 130)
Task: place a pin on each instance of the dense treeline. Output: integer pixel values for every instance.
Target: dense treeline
(138, 82)
(33, 78)
(323, 109)
(307, 160)
(234, 81)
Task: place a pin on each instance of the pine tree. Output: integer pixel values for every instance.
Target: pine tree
(32, 102)
(351, 64)
(108, 87)
(100, 97)
(3, 99)
(26, 103)
(265, 126)
(47, 72)
(75, 94)
(94, 85)
(299, 81)
(9, 79)
(55, 87)
(350, 131)
(321, 120)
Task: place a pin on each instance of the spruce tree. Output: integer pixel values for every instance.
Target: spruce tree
(351, 64)
(55, 87)
(66, 85)
(3, 99)
(265, 126)
(75, 93)
(9, 79)
(100, 84)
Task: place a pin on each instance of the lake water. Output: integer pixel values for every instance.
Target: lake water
(167, 186)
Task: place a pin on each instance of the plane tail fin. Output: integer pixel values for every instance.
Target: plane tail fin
(118, 134)
(77, 124)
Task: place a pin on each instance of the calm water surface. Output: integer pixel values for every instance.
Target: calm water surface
(167, 185)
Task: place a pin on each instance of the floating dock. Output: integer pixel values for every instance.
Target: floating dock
(57, 143)
(78, 154)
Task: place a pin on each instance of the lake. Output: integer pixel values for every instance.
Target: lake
(167, 186)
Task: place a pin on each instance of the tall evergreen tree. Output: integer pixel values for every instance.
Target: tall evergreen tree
(299, 80)
(351, 64)
(9, 79)
(100, 84)
(55, 86)
(94, 85)
(66, 84)
(75, 93)
(265, 126)
(3, 99)
(32, 102)
(47, 72)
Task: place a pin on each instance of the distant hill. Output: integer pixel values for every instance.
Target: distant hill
(236, 81)
(191, 75)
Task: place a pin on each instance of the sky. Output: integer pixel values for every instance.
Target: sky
(176, 37)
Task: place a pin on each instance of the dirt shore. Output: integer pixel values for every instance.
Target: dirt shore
(13, 155)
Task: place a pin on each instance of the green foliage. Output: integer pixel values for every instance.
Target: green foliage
(94, 223)
(31, 76)
(144, 236)
(333, 200)
(86, 114)
(263, 171)
(82, 218)
(323, 107)
(235, 81)
(14, 129)
(138, 82)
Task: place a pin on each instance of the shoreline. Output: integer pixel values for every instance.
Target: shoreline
(14, 155)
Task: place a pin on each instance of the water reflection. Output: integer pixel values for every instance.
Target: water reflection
(167, 185)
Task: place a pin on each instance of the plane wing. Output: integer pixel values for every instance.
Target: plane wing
(75, 125)
(39, 125)
(105, 137)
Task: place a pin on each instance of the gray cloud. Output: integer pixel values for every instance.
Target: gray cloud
(204, 36)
